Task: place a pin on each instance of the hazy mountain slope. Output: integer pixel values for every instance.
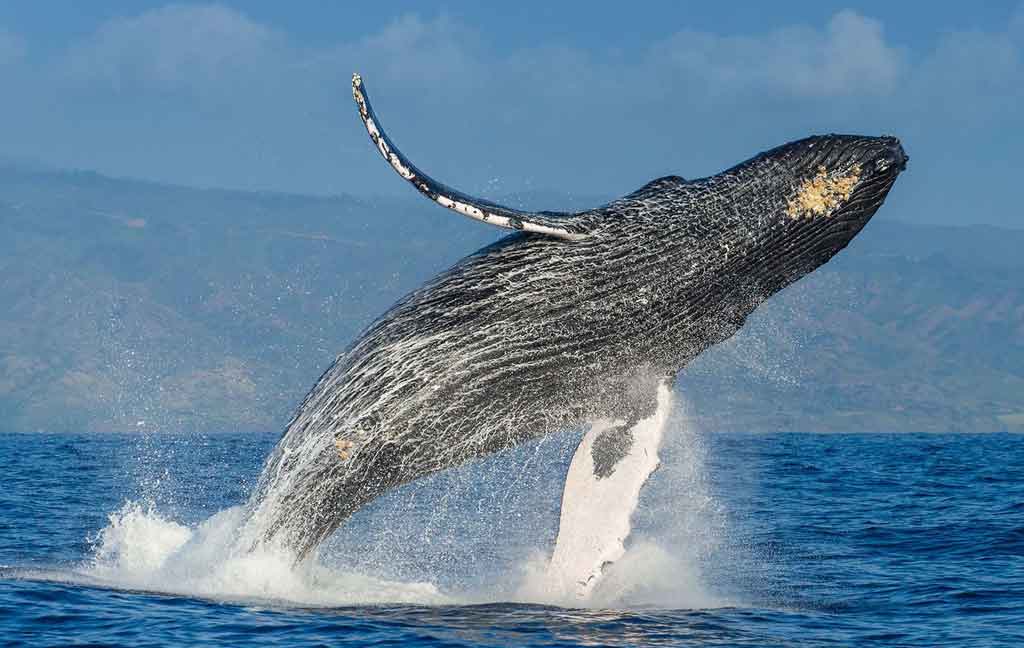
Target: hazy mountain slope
(134, 305)
(127, 302)
(882, 338)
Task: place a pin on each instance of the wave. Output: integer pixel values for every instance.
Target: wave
(140, 549)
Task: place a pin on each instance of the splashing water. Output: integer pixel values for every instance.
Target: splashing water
(475, 534)
(140, 549)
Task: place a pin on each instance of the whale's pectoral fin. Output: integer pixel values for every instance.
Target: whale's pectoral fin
(609, 447)
(564, 226)
(602, 488)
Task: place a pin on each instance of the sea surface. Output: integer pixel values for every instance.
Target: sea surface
(754, 539)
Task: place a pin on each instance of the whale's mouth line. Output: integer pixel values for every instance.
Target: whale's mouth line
(869, 195)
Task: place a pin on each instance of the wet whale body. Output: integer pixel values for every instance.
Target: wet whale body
(573, 318)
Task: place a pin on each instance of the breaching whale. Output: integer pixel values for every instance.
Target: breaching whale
(574, 319)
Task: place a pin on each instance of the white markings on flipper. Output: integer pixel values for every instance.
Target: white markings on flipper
(597, 513)
(539, 223)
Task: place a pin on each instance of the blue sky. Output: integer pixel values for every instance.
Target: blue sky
(493, 99)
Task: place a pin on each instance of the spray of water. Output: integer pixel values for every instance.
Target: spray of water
(140, 549)
(479, 533)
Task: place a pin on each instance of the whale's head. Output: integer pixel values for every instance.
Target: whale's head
(730, 241)
(801, 203)
(833, 179)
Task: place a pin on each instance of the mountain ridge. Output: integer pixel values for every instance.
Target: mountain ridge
(133, 305)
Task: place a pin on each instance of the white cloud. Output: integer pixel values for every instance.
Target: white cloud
(973, 75)
(421, 52)
(857, 55)
(174, 47)
(239, 104)
(849, 56)
(206, 46)
(269, 107)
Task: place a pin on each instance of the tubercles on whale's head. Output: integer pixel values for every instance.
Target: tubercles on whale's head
(824, 193)
(844, 177)
(801, 203)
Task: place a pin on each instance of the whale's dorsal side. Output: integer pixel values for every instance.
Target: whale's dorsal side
(656, 186)
(548, 223)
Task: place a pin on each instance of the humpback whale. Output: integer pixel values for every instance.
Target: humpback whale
(571, 320)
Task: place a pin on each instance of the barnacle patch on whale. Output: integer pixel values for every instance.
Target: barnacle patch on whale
(822, 194)
(344, 447)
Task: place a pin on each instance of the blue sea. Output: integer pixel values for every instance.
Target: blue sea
(753, 539)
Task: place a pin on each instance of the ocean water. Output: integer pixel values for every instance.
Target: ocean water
(794, 539)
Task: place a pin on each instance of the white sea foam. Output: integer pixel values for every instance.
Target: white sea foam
(140, 549)
(676, 531)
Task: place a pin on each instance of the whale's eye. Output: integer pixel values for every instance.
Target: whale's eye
(822, 194)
